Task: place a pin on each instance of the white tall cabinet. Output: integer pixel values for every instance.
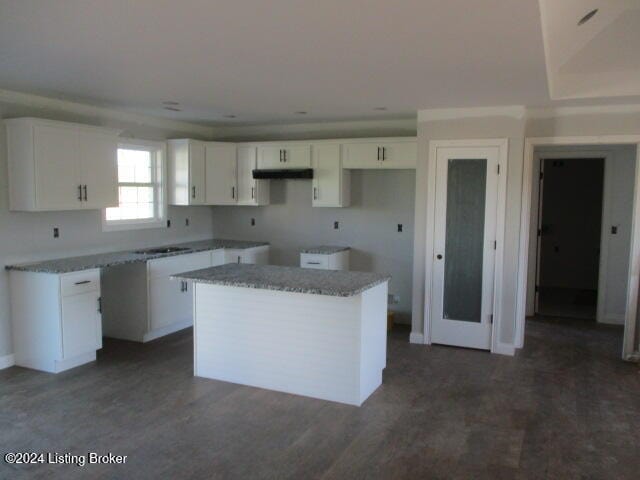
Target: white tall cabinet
(61, 166)
(221, 186)
(186, 172)
(331, 185)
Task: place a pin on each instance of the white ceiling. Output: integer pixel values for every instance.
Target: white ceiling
(264, 60)
(597, 59)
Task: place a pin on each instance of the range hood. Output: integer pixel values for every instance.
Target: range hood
(295, 173)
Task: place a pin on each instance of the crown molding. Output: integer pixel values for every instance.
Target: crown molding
(568, 111)
(515, 111)
(40, 102)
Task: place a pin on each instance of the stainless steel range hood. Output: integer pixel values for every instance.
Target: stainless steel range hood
(282, 173)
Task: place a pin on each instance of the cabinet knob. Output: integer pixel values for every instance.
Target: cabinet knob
(439, 257)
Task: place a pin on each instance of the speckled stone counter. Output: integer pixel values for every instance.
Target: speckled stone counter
(102, 260)
(288, 279)
(324, 250)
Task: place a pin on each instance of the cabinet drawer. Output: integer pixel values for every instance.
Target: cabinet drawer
(179, 263)
(79, 282)
(308, 260)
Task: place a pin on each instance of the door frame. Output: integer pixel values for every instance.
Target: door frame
(503, 146)
(629, 348)
(607, 156)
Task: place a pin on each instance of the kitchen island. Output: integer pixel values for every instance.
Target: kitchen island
(309, 332)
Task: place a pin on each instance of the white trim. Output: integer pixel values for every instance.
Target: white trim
(503, 349)
(161, 204)
(7, 361)
(516, 111)
(503, 145)
(40, 102)
(634, 272)
(607, 155)
(416, 337)
(550, 112)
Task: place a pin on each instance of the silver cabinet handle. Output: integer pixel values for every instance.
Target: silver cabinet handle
(233, 192)
(238, 259)
(253, 189)
(378, 153)
(193, 191)
(80, 192)
(384, 153)
(315, 193)
(285, 155)
(280, 154)
(99, 304)
(313, 263)
(85, 193)
(83, 282)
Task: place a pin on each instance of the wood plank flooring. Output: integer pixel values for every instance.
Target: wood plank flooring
(565, 407)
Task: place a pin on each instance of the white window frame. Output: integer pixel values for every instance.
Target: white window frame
(159, 168)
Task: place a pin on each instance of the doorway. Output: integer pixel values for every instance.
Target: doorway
(569, 237)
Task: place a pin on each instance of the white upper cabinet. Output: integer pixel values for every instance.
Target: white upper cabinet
(381, 153)
(61, 166)
(186, 172)
(331, 183)
(221, 174)
(277, 156)
(250, 190)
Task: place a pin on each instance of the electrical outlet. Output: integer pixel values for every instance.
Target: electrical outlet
(186, 222)
(56, 232)
(168, 223)
(253, 222)
(393, 299)
(336, 225)
(400, 227)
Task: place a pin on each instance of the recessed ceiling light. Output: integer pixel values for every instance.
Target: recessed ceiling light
(380, 109)
(301, 112)
(229, 116)
(588, 17)
(170, 102)
(173, 109)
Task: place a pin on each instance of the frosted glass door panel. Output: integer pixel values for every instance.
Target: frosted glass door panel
(464, 247)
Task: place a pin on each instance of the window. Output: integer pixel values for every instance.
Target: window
(140, 188)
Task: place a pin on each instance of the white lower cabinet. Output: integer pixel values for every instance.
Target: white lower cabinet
(142, 302)
(323, 261)
(63, 327)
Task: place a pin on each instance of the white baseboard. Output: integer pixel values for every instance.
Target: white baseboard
(504, 349)
(161, 332)
(7, 361)
(416, 337)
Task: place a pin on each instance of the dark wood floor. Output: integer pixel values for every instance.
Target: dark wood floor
(565, 407)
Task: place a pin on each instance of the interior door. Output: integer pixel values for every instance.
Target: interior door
(221, 173)
(464, 246)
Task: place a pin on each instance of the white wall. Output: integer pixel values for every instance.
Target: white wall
(618, 203)
(29, 236)
(381, 199)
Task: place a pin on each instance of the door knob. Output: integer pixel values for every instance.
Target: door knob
(439, 257)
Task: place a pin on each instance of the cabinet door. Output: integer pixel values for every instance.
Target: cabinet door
(247, 185)
(326, 189)
(81, 320)
(233, 256)
(221, 188)
(197, 180)
(170, 302)
(399, 155)
(99, 169)
(270, 157)
(362, 155)
(296, 156)
(56, 161)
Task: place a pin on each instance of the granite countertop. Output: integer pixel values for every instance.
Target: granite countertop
(101, 260)
(324, 250)
(337, 283)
